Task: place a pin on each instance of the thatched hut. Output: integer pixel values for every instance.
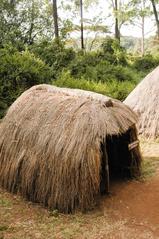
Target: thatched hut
(144, 100)
(60, 147)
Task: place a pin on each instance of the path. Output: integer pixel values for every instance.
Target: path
(137, 203)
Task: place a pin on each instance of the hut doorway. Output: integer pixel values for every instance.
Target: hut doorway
(116, 160)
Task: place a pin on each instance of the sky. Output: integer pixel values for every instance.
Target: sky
(126, 30)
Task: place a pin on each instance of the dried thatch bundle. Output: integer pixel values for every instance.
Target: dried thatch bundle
(58, 146)
(144, 100)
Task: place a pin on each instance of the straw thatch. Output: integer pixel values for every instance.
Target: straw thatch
(50, 145)
(144, 100)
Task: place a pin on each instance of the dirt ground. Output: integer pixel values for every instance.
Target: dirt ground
(131, 211)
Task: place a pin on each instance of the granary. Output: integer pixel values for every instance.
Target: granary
(144, 100)
(61, 147)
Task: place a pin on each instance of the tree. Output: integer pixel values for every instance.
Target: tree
(79, 5)
(31, 25)
(123, 14)
(55, 16)
(36, 19)
(117, 31)
(114, 5)
(9, 23)
(76, 8)
(142, 10)
(82, 33)
(95, 28)
(156, 16)
(23, 22)
(143, 28)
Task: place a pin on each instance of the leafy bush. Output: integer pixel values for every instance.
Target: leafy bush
(83, 63)
(113, 52)
(19, 71)
(66, 80)
(54, 54)
(106, 72)
(92, 68)
(146, 62)
(118, 90)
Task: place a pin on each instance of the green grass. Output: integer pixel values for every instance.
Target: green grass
(5, 202)
(114, 89)
(149, 167)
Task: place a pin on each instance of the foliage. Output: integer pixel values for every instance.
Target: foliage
(19, 71)
(102, 71)
(118, 90)
(113, 51)
(54, 54)
(23, 22)
(81, 63)
(93, 66)
(146, 62)
(9, 23)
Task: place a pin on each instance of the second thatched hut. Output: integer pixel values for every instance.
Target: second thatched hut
(60, 147)
(144, 100)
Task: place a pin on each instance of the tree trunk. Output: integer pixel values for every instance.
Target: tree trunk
(143, 37)
(12, 2)
(117, 32)
(55, 17)
(81, 13)
(156, 16)
(30, 37)
(143, 30)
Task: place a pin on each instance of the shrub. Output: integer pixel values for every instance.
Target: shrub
(113, 52)
(146, 62)
(92, 68)
(19, 71)
(66, 80)
(83, 63)
(54, 54)
(124, 73)
(106, 72)
(118, 90)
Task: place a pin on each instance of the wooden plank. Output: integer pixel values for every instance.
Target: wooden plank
(133, 145)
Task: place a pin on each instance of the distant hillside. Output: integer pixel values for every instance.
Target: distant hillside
(133, 44)
(130, 43)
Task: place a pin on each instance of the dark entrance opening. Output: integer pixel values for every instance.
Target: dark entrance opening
(119, 156)
(118, 161)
